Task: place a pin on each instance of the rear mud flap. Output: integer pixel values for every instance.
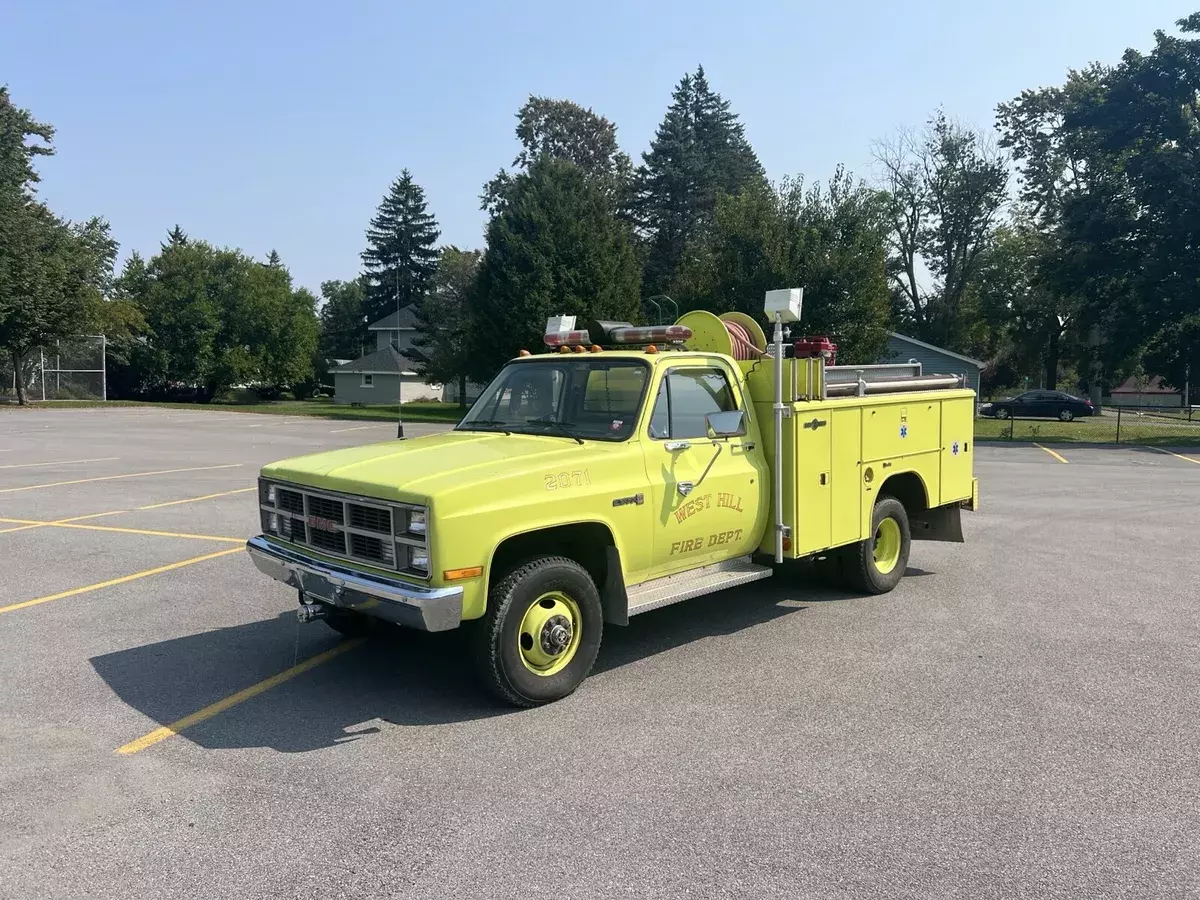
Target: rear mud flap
(942, 523)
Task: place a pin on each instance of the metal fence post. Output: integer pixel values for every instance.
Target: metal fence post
(1118, 424)
(1012, 422)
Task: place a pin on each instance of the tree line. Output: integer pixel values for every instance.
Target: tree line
(1058, 247)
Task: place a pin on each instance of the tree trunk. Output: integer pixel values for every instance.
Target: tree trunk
(462, 391)
(18, 377)
(1052, 360)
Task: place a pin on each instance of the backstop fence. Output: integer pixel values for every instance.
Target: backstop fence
(70, 369)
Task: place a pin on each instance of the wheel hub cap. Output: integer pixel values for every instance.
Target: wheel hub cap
(549, 633)
(887, 546)
(556, 635)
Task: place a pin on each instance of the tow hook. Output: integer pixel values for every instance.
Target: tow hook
(310, 612)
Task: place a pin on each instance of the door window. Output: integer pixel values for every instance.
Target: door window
(685, 398)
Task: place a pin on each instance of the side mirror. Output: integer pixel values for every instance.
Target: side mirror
(726, 424)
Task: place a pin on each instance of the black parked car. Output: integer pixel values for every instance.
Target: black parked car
(1040, 404)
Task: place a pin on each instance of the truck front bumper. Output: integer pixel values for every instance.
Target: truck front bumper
(410, 605)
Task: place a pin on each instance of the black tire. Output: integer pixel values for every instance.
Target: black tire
(1065, 415)
(1001, 413)
(497, 650)
(859, 566)
(351, 624)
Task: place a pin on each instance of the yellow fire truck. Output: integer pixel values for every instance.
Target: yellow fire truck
(625, 469)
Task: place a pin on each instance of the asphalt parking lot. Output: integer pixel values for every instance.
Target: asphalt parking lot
(1019, 718)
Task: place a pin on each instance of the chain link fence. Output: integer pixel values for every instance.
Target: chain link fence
(1147, 425)
(71, 369)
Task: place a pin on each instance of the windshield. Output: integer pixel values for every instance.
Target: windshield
(587, 399)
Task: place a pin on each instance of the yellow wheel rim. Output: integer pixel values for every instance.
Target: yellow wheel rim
(887, 546)
(549, 634)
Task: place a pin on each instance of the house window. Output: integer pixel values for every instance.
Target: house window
(368, 380)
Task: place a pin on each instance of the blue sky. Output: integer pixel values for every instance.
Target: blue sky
(280, 125)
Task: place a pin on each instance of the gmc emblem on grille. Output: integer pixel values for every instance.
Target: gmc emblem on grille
(323, 524)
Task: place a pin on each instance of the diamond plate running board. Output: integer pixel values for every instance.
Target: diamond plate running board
(664, 591)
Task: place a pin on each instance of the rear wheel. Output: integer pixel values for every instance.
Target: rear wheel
(876, 565)
(541, 634)
(1066, 415)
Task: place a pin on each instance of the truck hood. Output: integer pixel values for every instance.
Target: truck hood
(416, 469)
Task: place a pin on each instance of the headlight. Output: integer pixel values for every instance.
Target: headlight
(416, 522)
(271, 494)
(419, 560)
(270, 522)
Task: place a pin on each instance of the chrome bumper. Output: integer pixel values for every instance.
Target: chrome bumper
(411, 605)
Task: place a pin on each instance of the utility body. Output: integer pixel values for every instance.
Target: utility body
(589, 484)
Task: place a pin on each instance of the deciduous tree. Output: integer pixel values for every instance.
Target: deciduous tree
(565, 130)
(441, 347)
(830, 240)
(946, 187)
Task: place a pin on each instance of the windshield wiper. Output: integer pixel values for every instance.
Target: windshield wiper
(503, 426)
(547, 420)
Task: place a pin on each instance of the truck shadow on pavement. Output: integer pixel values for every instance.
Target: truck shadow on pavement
(402, 678)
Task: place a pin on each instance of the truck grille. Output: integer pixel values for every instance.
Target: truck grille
(374, 532)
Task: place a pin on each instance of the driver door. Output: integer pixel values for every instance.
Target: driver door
(708, 492)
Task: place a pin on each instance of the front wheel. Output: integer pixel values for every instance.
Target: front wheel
(1066, 415)
(541, 634)
(1002, 413)
(877, 564)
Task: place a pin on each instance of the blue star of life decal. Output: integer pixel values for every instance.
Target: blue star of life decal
(904, 431)
(954, 448)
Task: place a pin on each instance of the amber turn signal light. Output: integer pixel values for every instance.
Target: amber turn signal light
(462, 574)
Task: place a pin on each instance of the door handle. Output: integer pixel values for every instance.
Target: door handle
(672, 446)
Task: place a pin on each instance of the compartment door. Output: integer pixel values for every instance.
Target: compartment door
(958, 445)
(814, 481)
(847, 476)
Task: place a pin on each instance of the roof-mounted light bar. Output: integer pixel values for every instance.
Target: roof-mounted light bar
(650, 334)
(561, 334)
(575, 338)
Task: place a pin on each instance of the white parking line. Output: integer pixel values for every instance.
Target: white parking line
(61, 462)
(358, 428)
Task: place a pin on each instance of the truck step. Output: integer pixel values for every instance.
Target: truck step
(664, 591)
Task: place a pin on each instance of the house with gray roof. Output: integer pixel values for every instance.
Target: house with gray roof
(934, 360)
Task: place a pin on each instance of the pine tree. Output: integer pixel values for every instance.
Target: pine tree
(274, 261)
(699, 152)
(401, 255)
(176, 237)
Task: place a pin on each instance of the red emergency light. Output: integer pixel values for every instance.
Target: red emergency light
(567, 338)
(649, 334)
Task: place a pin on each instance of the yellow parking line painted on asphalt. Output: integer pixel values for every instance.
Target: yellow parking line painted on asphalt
(117, 512)
(13, 607)
(41, 524)
(178, 534)
(1177, 455)
(213, 709)
(1052, 453)
(357, 428)
(61, 462)
(34, 487)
